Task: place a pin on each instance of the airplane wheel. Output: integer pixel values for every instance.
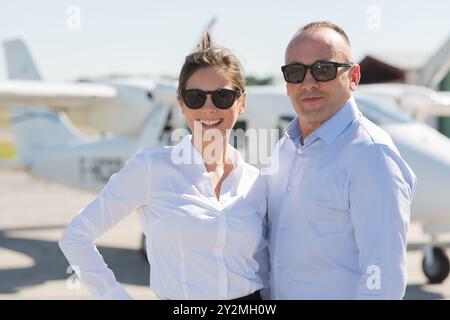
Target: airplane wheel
(438, 270)
(143, 246)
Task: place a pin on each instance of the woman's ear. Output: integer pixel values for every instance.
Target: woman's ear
(180, 104)
(242, 102)
(181, 109)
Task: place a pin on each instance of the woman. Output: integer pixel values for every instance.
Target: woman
(204, 218)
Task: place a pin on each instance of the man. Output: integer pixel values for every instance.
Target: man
(339, 204)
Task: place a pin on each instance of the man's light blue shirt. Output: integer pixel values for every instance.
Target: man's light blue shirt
(339, 209)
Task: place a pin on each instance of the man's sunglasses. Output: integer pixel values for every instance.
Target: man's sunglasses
(321, 71)
(222, 98)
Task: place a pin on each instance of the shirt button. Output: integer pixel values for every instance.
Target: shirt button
(289, 188)
(299, 151)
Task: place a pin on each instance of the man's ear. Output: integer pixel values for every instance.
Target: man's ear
(355, 77)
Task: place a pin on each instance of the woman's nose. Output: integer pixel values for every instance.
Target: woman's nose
(209, 105)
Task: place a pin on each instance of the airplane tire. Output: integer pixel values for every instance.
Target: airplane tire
(439, 270)
(143, 248)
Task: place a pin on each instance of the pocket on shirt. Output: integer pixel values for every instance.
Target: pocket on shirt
(327, 220)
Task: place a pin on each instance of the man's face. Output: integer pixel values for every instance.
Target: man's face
(316, 102)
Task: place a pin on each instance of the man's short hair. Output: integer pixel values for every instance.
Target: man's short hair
(325, 24)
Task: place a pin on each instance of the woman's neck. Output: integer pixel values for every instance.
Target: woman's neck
(214, 152)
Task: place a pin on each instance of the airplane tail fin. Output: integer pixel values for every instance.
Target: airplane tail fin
(156, 126)
(19, 61)
(35, 128)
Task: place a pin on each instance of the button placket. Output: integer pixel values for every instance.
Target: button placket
(219, 251)
(296, 169)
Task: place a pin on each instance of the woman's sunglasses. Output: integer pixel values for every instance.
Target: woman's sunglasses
(321, 71)
(222, 98)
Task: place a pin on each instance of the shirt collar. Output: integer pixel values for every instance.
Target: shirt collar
(330, 129)
(293, 131)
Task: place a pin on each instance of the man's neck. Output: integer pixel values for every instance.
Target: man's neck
(307, 129)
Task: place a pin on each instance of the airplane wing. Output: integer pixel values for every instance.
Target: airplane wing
(57, 96)
(419, 101)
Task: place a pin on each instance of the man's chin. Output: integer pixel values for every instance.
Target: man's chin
(313, 109)
(313, 115)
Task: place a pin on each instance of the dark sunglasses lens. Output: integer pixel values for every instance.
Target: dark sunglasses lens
(324, 71)
(223, 99)
(194, 99)
(294, 74)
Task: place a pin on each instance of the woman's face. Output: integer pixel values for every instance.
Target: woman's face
(209, 117)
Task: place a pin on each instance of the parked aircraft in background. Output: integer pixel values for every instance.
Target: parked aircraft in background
(418, 101)
(141, 113)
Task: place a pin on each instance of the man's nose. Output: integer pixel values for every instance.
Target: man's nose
(309, 81)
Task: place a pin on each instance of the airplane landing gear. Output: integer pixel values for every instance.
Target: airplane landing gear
(435, 264)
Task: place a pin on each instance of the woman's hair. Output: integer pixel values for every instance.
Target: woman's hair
(209, 54)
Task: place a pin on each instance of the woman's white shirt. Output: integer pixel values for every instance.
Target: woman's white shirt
(198, 247)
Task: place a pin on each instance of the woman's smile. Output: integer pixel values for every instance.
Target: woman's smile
(210, 123)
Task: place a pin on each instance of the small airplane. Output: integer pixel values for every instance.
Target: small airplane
(52, 148)
(100, 106)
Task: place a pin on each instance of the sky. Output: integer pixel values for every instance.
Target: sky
(86, 39)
